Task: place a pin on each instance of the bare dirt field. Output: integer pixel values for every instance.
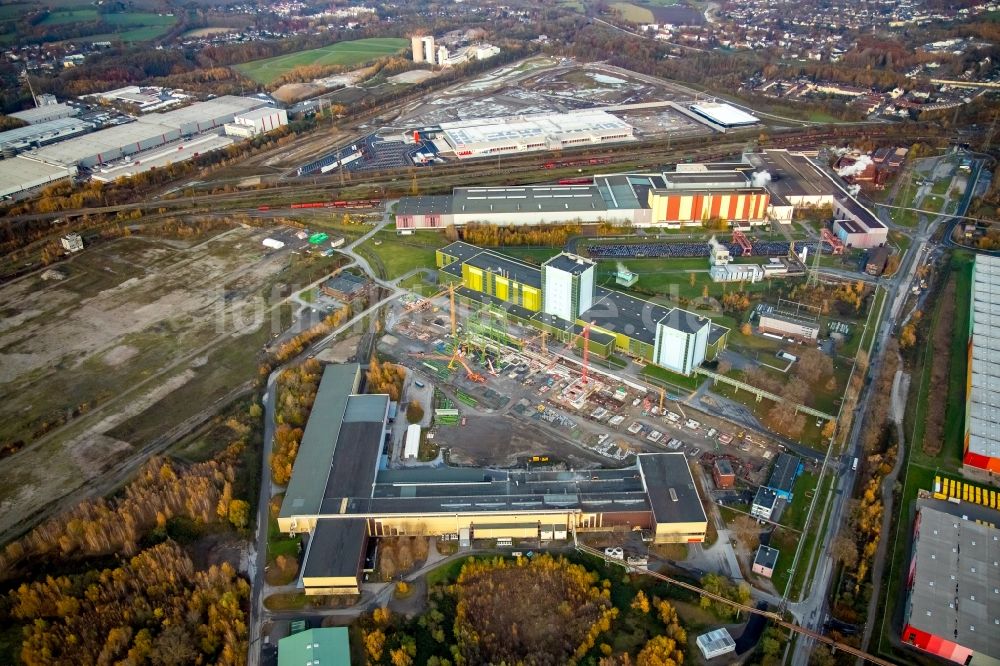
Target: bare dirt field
(501, 441)
(293, 92)
(141, 335)
(550, 85)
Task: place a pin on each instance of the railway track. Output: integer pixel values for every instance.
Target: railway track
(391, 183)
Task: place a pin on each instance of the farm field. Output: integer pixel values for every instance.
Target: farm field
(633, 13)
(342, 53)
(125, 26)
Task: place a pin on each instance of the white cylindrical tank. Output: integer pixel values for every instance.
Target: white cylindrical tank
(417, 44)
(429, 51)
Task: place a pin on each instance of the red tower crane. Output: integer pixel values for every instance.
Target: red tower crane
(740, 239)
(835, 243)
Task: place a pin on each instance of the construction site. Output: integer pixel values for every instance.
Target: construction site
(560, 402)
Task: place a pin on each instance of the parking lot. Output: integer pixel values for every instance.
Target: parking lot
(635, 250)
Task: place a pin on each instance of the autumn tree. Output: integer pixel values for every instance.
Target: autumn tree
(414, 412)
(907, 336)
(640, 602)
(718, 585)
(660, 651)
(845, 551)
(374, 642)
(385, 378)
(239, 513)
(545, 608)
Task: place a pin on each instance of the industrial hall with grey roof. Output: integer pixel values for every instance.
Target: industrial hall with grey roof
(341, 492)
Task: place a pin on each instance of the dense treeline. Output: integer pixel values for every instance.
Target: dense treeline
(845, 298)
(385, 378)
(151, 606)
(162, 490)
(155, 609)
(492, 235)
(296, 392)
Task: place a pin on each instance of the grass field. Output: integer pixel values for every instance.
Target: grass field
(143, 34)
(794, 515)
(818, 526)
(673, 277)
(941, 186)
(671, 379)
(871, 329)
(127, 26)
(393, 256)
(954, 420)
(13, 12)
(950, 457)
(342, 53)
(64, 16)
(904, 241)
(932, 202)
(139, 19)
(633, 13)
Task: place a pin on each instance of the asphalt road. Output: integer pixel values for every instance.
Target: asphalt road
(258, 558)
(812, 610)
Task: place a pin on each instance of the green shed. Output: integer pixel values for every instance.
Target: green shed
(328, 646)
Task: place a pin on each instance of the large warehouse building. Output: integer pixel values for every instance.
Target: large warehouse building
(668, 199)
(341, 496)
(982, 395)
(48, 109)
(561, 298)
(723, 114)
(518, 134)
(953, 585)
(42, 134)
(20, 174)
(767, 188)
(793, 180)
(149, 131)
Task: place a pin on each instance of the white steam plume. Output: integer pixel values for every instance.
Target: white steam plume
(760, 178)
(856, 168)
